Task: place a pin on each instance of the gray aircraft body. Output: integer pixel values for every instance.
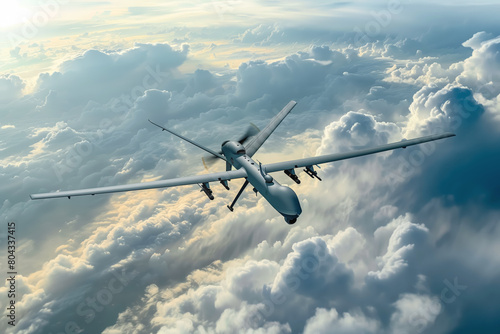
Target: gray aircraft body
(239, 156)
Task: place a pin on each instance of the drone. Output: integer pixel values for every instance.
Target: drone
(238, 155)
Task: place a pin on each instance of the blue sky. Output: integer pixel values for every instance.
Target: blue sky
(400, 242)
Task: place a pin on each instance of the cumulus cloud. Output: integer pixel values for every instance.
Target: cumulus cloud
(414, 313)
(99, 76)
(481, 71)
(11, 87)
(357, 129)
(220, 301)
(320, 271)
(443, 109)
(261, 35)
(467, 107)
(398, 269)
(374, 257)
(326, 321)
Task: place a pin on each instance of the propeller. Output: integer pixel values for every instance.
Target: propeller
(251, 131)
(209, 160)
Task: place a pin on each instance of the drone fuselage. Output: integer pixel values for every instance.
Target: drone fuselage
(281, 198)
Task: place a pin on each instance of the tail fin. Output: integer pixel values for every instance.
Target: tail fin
(259, 139)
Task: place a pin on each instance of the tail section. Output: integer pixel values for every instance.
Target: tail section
(254, 144)
(259, 139)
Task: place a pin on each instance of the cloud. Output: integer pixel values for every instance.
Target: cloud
(99, 76)
(203, 81)
(467, 108)
(446, 109)
(477, 40)
(262, 35)
(310, 270)
(414, 313)
(324, 321)
(245, 283)
(481, 71)
(404, 245)
(347, 244)
(372, 256)
(218, 302)
(11, 87)
(356, 129)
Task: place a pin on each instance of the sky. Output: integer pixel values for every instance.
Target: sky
(399, 242)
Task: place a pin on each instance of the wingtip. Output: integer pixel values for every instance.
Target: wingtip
(445, 135)
(150, 121)
(34, 196)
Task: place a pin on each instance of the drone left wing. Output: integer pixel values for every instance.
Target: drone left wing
(181, 181)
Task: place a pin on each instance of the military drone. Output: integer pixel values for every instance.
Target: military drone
(238, 155)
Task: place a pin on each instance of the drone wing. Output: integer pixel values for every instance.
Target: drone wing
(309, 162)
(181, 181)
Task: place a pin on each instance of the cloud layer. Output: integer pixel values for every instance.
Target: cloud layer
(398, 242)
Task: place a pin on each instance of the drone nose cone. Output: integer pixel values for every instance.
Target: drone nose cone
(285, 201)
(290, 220)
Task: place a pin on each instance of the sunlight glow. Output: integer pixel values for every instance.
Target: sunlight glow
(11, 14)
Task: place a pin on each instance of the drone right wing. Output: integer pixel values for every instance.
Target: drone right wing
(309, 162)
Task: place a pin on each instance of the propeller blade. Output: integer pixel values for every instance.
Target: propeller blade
(252, 130)
(209, 160)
